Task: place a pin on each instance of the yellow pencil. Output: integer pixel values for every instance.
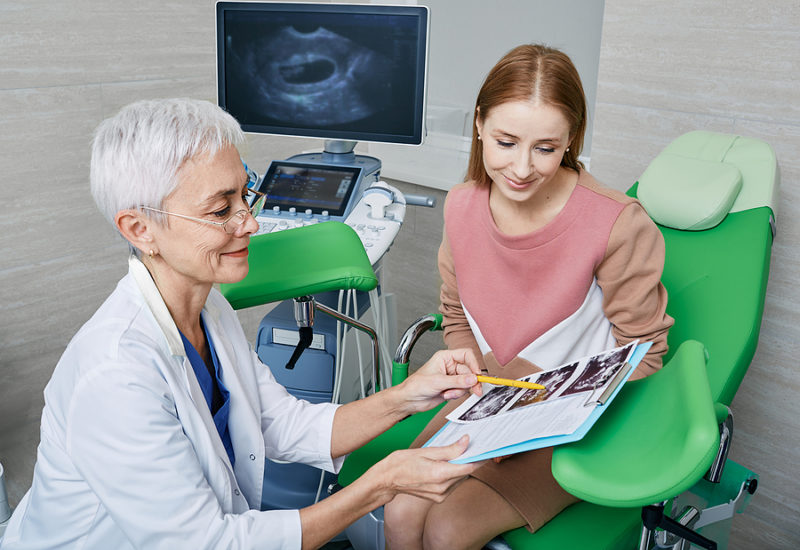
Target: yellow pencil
(508, 382)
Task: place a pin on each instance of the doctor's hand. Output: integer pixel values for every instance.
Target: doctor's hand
(425, 472)
(448, 375)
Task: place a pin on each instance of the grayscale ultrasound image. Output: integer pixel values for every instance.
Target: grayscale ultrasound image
(331, 73)
(599, 370)
(316, 77)
(490, 403)
(552, 381)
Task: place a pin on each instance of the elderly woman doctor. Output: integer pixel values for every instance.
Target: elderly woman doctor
(159, 415)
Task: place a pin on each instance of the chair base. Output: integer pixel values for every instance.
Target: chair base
(717, 504)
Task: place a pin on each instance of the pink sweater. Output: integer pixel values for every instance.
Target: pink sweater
(587, 281)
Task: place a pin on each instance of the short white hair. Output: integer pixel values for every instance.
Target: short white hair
(136, 154)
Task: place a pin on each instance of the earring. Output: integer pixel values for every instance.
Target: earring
(479, 138)
(151, 253)
(567, 149)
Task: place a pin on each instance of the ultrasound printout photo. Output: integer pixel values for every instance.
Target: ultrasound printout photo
(490, 403)
(508, 420)
(552, 380)
(599, 370)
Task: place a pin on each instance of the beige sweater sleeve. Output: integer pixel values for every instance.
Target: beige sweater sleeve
(457, 332)
(634, 300)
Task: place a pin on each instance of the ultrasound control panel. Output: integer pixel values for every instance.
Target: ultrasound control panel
(299, 190)
(301, 193)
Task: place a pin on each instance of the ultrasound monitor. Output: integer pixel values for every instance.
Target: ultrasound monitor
(334, 71)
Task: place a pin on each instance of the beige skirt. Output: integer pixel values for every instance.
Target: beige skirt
(523, 479)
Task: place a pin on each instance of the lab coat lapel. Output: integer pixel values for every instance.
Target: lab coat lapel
(195, 416)
(156, 304)
(202, 431)
(244, 413)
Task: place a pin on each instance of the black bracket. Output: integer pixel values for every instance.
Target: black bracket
(653, 518)
(306, 336)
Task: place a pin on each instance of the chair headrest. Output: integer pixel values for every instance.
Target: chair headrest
(702, 176)
(688, 193)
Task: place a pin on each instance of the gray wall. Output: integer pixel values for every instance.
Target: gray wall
(467, 39)
(469, 36)
(670, 67)
(66, 66)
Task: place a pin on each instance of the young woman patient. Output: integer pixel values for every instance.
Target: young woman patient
(540, 264)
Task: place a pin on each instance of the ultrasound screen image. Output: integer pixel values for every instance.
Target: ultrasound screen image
(307, 187)
(328, 71)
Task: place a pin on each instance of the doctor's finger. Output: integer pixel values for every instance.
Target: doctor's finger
(463, 360)
(444, 382)
(447, 452)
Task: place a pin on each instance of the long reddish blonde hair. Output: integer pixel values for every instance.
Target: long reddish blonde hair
(538, 73)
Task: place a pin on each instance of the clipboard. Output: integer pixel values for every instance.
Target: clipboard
(601, 403)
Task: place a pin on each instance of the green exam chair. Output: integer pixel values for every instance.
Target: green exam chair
(653, 471)
(303, 261)
(300, 262)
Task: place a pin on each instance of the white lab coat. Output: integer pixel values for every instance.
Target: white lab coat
(129, 455)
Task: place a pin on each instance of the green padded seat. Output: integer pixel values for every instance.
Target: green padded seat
(583, 526)
(602, 528)
(716, 278)
(302, 261)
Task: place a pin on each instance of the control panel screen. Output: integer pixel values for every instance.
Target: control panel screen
(306, 186)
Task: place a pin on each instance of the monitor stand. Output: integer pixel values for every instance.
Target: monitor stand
(341, 152)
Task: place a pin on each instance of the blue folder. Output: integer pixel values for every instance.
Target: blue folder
(551, 441)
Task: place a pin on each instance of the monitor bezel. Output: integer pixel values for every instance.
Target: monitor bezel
(420, 102)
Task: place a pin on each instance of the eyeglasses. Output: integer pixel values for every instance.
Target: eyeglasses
(232, 224)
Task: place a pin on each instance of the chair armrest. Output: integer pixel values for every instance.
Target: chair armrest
(657, 439)
(400, 362)
(302, 261)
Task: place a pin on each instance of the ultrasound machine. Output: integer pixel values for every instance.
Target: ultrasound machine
(344, 73)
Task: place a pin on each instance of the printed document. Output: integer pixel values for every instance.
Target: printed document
(506, 420)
